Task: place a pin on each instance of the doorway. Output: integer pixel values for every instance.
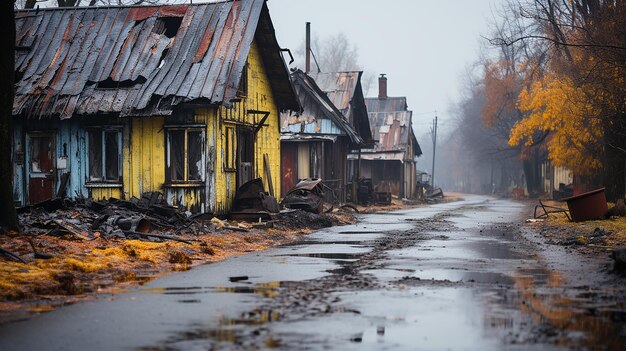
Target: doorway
(245, 155)
(41, 166)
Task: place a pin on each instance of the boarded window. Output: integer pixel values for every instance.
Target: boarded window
(185, 154)
(104, 152)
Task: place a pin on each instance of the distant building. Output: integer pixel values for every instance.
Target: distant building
(391, 161)
(315, 142)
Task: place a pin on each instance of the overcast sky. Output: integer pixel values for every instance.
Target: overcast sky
(423, 46)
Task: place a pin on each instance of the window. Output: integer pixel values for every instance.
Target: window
(185, 156)
(229, 150)
(104, 160)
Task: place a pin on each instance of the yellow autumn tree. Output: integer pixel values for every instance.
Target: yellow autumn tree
(554, 104)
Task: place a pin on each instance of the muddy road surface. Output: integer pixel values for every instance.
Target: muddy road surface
(456, 276)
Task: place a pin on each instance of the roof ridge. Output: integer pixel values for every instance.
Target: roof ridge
(56, 8)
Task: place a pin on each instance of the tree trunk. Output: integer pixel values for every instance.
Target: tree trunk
(8, 217)
(614, 159)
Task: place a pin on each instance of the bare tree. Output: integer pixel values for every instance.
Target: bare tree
(335, 53)
(8, 217)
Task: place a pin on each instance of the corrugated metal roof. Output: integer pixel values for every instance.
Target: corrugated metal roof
(139, 60)
(388, 104)
(346, 93)
(391, 125)
(317, 107)
(340, 87)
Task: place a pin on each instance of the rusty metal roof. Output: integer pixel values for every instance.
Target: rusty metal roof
(346, 93)
(317, 107)
(388, 104)
(140, 60)
(391, 125)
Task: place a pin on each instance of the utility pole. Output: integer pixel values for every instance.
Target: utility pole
(433, 132)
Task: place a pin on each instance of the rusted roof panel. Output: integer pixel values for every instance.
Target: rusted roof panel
(138, 60)
(345, 91)
(389, 104)
(340, 87)
(318, 111)
(391, 125)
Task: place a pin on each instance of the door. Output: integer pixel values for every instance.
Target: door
(288, 166)
(245, 155)
(41, 182)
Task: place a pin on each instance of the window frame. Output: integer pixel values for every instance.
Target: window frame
(103, 130)
(230, 148)
(168, 155)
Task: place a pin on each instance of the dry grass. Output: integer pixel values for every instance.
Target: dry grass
(615, 226)
(83, 266)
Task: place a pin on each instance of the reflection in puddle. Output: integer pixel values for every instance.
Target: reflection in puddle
(232, 331)
(546, 299)
(190, 301)
(265, 289)
(331, 256)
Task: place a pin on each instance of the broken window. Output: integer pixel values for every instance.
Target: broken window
(185, 153)
(229, 149)
(104, 147)
(41, 159)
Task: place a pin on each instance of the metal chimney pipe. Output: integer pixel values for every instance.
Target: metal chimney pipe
(307, 67)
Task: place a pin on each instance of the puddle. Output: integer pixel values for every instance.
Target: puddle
(190, 301)
(353, 243)
(330, 256)
(358, 232)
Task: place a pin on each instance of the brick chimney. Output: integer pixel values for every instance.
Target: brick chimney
(382, 87)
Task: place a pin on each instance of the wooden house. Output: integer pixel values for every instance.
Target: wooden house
(315, 143)
(391, 162)
(118, 101)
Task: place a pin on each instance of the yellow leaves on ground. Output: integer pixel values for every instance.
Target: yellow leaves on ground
(553, 104)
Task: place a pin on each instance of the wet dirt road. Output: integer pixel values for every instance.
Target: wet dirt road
(457, 276)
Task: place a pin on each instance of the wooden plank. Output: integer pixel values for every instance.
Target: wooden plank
(268, 174)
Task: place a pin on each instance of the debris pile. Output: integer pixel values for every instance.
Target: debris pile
(298, 219)
(88, 219)
(307, 195)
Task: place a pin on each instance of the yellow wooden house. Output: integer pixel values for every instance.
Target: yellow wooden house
(120, 101)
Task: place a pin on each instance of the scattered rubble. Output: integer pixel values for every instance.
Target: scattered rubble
(307, 195)
(86, 219)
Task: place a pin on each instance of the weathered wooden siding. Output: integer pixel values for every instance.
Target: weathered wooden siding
(267, 140)
(146, 151)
